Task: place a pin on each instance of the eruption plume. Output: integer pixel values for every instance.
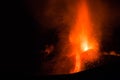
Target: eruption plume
(83, 38)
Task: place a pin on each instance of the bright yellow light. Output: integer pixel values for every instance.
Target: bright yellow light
(84, 46)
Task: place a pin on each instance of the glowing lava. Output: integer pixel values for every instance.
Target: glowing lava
(82, 38)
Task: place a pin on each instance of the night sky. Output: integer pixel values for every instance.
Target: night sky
(25, 32)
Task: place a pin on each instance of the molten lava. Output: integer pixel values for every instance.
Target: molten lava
(82, 38)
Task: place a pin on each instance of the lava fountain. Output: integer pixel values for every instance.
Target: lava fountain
(83, 39)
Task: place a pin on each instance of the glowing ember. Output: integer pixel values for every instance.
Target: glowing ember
(82, 38)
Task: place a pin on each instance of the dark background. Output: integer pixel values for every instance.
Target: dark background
(19, 36)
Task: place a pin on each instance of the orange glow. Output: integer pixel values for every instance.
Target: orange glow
(82, 38)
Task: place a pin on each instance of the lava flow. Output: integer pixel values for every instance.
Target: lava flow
(83, 38)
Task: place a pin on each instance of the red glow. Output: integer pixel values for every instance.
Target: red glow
(84, 43)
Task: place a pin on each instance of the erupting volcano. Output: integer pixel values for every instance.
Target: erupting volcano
(84, 40)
